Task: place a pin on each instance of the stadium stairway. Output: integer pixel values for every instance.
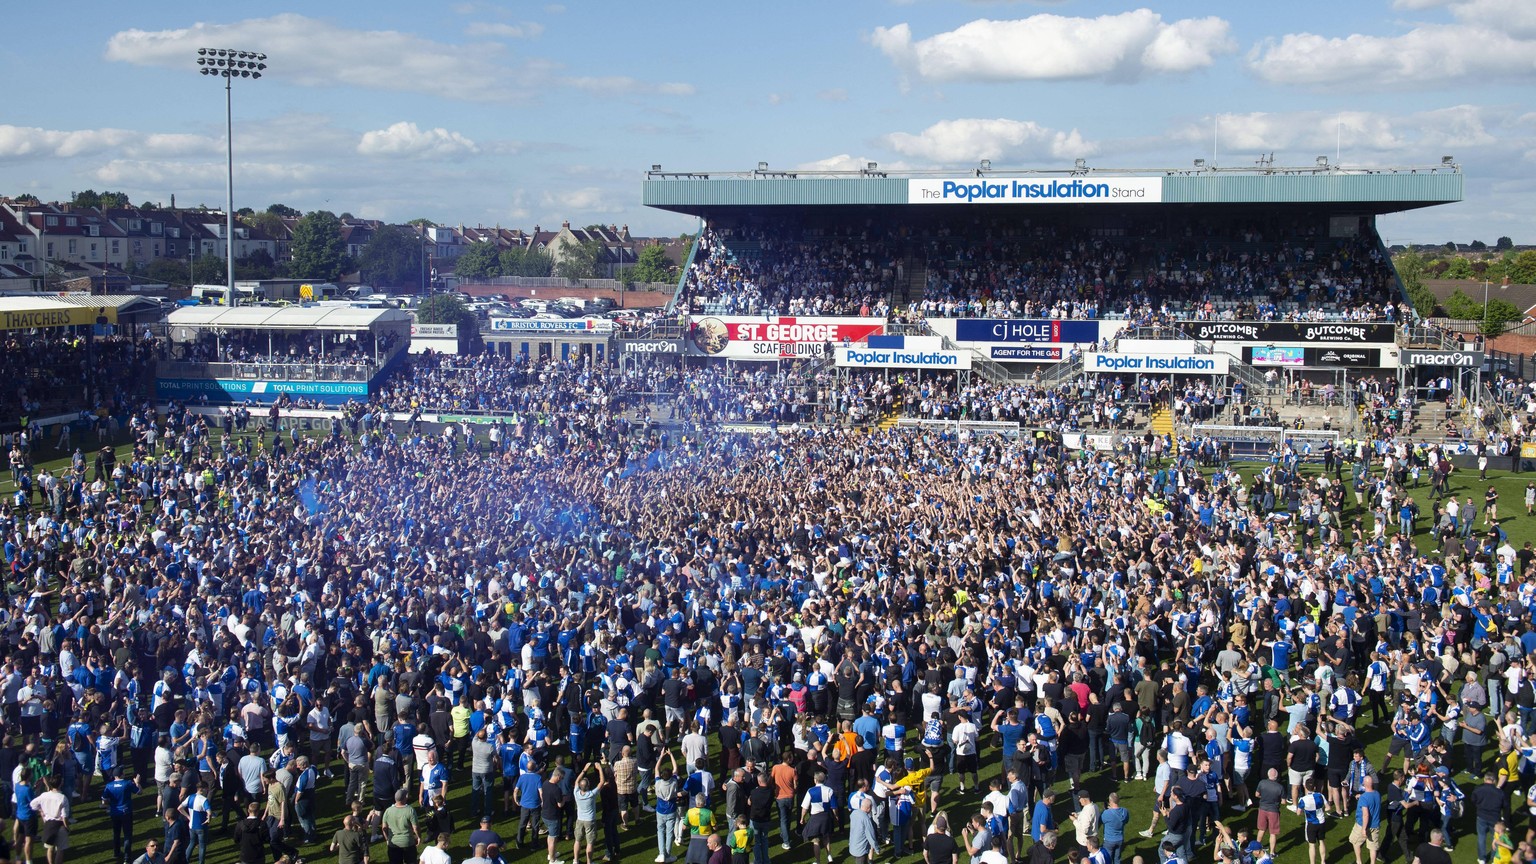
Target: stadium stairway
(911, 282)
(1162, 420)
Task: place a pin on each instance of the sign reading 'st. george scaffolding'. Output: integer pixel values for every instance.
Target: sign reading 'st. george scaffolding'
(1037, 190)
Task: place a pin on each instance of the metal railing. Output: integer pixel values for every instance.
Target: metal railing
(331, 371)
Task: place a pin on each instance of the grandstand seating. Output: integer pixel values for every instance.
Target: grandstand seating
(1245, 269)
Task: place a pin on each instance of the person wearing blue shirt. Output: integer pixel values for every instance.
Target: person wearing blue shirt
(1314, 808)
(868, 729)
(1280, 658)
(1113, 820)
(528, 805)
(197, 810)
(1367, 828)
(117, 797)
(1041, 820)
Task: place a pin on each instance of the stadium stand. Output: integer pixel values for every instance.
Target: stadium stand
(1011, 267)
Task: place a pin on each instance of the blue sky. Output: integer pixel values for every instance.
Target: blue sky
(525, 113)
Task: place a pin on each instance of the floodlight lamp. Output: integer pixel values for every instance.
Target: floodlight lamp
(762, 166)
(986, 164)
(255, 75)
(1200, 163)
(872, 166)
(1447, 160)
(202, 51)
(1081, 164)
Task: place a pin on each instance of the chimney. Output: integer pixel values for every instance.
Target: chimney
(537, 229)
(566, 224)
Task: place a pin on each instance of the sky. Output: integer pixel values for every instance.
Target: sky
(517, 114)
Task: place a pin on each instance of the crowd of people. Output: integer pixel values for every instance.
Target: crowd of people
(53, 371)
(618, 634)
(1013, 267)
(288, 347)
(751, 271)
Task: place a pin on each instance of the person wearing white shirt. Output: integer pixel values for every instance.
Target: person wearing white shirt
(1178, 748)
(965, 737)
(320, 736)
(1085, 822)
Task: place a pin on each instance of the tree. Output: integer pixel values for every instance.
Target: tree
(168, 270)
(1410, 269)
(478, 262)
(243, 212)
(1458, 268)
(1478, 246)
(319, 253)
(392, 257)
(1504, 243)
(149, 205)
(257, 265)
(1500, 314)
(1461, 307)
(654, 266)
(521, 261)
(345, 216)
(92, 198)
(580, 261)
(1522, 270)
(449, 309)
(1492, 319)
(268, 223)
(422, 222)
(209, 270)
(283, 210)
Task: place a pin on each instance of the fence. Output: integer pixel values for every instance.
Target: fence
(557, 282)
(270, 371)
(1475, 325)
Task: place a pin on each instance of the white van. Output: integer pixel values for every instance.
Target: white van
(218, 295)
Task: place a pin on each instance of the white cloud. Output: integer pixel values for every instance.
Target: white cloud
(972, 139)
(141, 174)
(777, 98)
(1367, 138)
(22, 142)
(1490, 40)
(317, 53)
(623, 85)
(588, 199)
(1116, 47)
(407, 139)
(834, 94)
(525, 30)
(846, 162)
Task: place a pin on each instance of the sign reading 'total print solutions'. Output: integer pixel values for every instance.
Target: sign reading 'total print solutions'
(1037, 190)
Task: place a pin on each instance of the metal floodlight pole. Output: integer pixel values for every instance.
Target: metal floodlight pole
(230, 64)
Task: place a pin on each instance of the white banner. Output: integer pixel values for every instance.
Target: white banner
(551, 327)
(878, 358)
(1157, 364)
(1037, 190)
(755, 337)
